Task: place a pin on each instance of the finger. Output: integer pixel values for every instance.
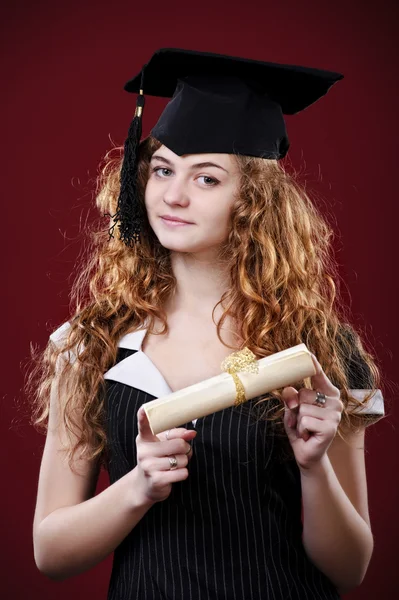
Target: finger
(320, 381)
(312, 426)
(162, 463)
(311, 410)
(181, 459)
(177, 446)
(290, 419)
(308, 397)
(177, 432)
(290, 397)
(144, 428)
(167, 477)
(291, 402)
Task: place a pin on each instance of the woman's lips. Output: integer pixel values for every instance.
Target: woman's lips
(171, 223)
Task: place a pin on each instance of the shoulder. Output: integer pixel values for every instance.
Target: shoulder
(60, 339)
(59, 336)
(363, 378)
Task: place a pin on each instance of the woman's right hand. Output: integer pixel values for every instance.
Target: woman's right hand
(153, 464)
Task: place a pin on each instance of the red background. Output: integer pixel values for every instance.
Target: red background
(62, 99)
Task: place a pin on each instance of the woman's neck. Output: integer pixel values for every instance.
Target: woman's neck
(201, 282)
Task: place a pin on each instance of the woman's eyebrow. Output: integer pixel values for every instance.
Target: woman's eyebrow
(196, 166)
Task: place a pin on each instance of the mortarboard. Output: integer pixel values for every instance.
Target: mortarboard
(219, 104)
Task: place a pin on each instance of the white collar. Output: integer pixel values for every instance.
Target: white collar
(137, 370)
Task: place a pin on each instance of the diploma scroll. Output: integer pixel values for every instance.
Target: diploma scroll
(217, 393)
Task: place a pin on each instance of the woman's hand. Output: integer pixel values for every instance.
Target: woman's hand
(153, 453)
(311, 428)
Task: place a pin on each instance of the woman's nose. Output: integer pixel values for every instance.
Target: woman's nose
(176, 194)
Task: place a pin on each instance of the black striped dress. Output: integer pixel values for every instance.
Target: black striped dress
(232, 530)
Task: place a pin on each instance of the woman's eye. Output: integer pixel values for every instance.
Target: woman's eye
(156, 169)
(213, 181)
(209, 181)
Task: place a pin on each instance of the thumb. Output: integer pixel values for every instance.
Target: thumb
(291, 402)
(144, 426)
(290, 397)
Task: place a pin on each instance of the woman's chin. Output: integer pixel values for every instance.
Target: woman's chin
(174, 244)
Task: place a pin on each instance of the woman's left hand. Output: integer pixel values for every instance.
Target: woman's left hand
(312, 428)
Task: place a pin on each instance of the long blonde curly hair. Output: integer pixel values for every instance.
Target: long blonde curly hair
(284, 291)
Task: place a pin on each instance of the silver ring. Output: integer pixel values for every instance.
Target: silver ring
(167, 434)
(173, 462)
(320, 399)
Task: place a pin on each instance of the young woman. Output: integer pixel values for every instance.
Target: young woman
(267, 499)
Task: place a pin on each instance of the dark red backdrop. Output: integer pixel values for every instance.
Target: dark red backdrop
(62, 98)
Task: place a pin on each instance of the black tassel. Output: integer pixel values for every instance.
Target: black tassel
(129, 213)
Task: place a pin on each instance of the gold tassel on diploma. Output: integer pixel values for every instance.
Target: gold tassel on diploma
(242, 360)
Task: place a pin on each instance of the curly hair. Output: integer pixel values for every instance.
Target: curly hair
(284, 291)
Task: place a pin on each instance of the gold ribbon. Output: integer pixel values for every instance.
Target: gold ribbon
(242, 360)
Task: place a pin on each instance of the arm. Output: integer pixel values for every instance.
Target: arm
(73, 530)
(72, 539)
(336, 530)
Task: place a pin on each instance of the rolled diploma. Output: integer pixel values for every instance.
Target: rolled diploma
(206, 397)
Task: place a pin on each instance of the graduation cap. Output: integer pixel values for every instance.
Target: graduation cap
(219, 104)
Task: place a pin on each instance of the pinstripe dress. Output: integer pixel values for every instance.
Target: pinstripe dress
(232, 530)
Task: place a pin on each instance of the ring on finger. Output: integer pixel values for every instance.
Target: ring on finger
(167, 434)
(173, 462)
(188, 451)
(320, 399)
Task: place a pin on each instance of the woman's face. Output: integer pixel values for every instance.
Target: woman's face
(197, 188)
